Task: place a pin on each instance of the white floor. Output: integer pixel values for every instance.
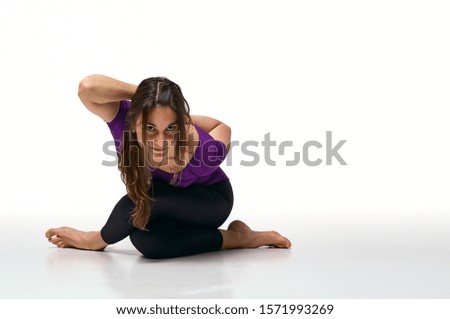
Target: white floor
(332, 257)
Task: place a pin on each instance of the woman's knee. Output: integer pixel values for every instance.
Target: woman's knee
(125, 203)
(149, 246)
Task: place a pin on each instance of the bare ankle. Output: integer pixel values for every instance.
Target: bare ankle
(231, 239)
(94, 241)
(100, 243)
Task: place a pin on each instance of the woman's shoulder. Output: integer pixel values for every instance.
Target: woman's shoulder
(118, 123)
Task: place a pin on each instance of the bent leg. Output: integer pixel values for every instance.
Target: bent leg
(196, 205)
(161, 241)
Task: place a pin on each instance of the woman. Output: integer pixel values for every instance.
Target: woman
(177, 195)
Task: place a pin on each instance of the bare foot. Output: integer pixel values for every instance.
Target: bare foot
(248, 238)
(66, 237)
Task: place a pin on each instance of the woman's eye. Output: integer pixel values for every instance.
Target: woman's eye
(171, 128)
(150, 128)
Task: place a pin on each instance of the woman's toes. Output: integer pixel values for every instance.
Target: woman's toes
(288, 243)
(285, 242)
(279, 241)
(49, 233)
(54, 232)
(56, 241)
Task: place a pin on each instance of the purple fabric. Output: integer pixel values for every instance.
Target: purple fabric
(203, 168)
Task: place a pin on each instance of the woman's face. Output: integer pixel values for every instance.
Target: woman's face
(160, 133)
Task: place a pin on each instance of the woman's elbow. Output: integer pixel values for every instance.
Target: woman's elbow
(225, 135)
(83, 86)
(87, 84)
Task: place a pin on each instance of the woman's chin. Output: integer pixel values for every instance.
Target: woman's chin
(158, 158)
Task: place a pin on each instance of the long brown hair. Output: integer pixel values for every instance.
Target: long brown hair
(135, 173)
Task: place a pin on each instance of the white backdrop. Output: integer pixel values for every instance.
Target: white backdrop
(375, 73)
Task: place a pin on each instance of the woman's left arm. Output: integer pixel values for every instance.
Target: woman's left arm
(217, 129)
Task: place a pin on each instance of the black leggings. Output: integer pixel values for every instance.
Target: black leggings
(183, 221)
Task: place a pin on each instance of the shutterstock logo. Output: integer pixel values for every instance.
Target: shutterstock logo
(266, 148)
(269, 145)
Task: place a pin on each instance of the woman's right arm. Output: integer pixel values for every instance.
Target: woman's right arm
(101, 95)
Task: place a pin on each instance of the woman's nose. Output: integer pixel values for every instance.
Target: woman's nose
(160, 143)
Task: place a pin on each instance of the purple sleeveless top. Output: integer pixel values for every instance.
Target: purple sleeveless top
(202, 169)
